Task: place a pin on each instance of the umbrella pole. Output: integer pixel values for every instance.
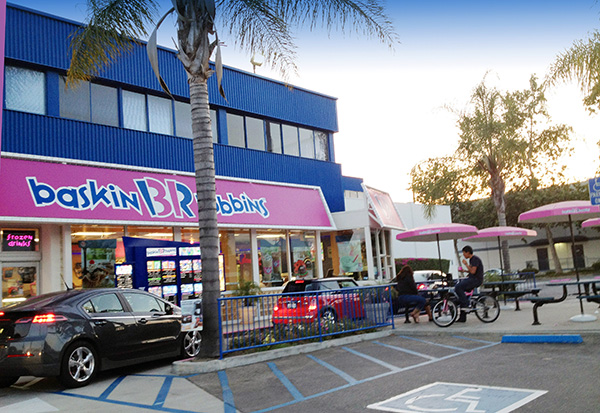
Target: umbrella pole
(501, 265)
(437, 238)
(575, 262)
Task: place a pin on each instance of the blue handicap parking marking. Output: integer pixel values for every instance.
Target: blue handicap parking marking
(458, 398)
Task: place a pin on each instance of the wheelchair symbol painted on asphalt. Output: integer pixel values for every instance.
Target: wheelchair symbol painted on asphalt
(458, 398)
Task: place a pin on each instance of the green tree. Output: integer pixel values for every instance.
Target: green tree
(259, 27)
(501, 136)
(580, 63)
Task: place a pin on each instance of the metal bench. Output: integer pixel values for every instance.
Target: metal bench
(540, 301)
(518, 294)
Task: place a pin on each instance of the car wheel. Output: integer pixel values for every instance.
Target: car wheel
(328, 314)
(191, 343)
(79, 365)
(8, 381)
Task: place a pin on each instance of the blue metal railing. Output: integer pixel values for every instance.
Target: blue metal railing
(268, 320)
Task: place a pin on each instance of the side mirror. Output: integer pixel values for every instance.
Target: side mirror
(169, 309)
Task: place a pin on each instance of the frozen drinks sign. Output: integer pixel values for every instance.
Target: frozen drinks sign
(49, 190)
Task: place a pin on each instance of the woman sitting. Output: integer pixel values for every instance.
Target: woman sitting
(408, 295)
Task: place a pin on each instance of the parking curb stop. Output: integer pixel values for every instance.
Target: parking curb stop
(550, 338)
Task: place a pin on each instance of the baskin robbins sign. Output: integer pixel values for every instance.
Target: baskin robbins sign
(73, 193)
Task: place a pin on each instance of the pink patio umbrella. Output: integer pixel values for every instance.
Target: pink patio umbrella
(438, 232)
(592, 222)
(498, 233)
(565, 211)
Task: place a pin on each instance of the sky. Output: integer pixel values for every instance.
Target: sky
(393, 105)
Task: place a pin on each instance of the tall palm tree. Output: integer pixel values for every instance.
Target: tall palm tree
(259, 27)
(581, 62)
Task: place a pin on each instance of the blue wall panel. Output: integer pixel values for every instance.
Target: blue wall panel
(64, 138)
(41, 39)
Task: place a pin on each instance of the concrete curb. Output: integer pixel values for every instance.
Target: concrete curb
(554, 338)
(189, 366)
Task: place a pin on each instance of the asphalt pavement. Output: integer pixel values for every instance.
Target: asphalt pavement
(413, 367)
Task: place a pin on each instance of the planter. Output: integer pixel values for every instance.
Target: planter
(377, 313)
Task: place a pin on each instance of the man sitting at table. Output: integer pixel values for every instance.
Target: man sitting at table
(474, 279)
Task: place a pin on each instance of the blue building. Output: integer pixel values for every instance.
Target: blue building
(113, 158)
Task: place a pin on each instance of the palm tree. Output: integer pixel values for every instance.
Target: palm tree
(581, 62)
(259, 27)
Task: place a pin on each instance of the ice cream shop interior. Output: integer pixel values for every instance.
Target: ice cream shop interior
(98, 188)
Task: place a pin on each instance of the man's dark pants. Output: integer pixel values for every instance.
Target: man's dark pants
(466, 284)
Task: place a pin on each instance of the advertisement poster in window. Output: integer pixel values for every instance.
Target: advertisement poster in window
(98, 263)
(192, 314)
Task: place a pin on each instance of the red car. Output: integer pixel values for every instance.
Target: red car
(330, 300)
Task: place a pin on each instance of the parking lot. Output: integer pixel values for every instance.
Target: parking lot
(528, 377)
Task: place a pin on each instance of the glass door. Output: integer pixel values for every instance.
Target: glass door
(19, 281)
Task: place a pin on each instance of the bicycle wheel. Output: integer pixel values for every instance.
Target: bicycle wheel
(445, 313)
(487, 308)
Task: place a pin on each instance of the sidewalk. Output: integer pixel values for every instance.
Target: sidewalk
(554, 319)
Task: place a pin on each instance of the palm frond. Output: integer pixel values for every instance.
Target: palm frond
(108, 34)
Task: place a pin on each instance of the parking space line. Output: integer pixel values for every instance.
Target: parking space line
(227, 393)
(110, 388)
(286, 382)
(337, 371)
(388, 366)
(129, 404)
(404, 350)
(163, 392)
(433, 343)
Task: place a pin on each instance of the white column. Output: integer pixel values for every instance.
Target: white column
(369, 252)
(52, 259)
(67, 256)
(176, 233)
(254, 250)
(319, 256)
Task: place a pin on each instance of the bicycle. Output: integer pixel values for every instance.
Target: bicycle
(446, 311)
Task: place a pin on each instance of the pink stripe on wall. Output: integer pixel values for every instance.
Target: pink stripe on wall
(2, 37)
(43, 190)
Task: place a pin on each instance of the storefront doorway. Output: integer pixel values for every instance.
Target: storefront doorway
(19, 281)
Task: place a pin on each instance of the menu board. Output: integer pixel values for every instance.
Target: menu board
(169, 274)
(124, 273)
(154, 273)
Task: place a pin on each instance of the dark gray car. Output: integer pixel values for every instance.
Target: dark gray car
(74, 334)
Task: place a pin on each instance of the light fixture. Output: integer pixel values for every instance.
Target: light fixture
(91, 234)
(256, 60)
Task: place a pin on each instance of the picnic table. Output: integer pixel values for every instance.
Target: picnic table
(509, 288)
(589, 293)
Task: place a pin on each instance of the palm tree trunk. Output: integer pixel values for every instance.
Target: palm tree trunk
(555, 260)
(204, 166)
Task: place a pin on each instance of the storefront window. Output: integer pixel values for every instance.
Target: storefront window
(237, 257)
(272, 253)
(19, 282)
(303, 254)
(95, 250)
(351, 251)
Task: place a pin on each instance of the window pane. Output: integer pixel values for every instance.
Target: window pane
(134, 111)
(290, 140)
(74, 102)
(274, 137)
(25, 90)
(255, 132)
(272, 252)
(307, 144)
(214, 126)
(160, 115)
(141, 303)
(321, 146)
(183, 119)
(235, 130)
(237, 257)
(106, 303)
(105, 105)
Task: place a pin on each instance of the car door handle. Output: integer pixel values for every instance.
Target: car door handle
(142, 321)
(100, 322)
